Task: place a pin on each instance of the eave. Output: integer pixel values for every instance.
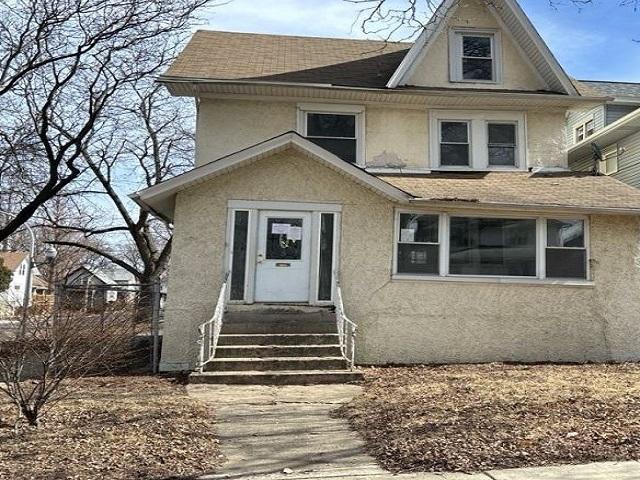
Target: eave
(405, 96)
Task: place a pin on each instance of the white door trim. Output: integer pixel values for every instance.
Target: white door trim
(254, 207)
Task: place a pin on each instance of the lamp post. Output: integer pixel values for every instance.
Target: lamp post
(50, 253)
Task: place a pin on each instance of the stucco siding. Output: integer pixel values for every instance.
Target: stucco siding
(433, 69)
(408, 321)
(393, 136)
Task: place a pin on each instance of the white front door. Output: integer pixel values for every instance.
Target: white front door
(283, 264)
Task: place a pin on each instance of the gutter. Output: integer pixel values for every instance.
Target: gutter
(477, 205)
(194, 82)
(135, 197)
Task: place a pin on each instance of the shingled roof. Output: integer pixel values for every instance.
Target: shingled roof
(214, 55)
(571, 190)
(613, 89)
(12, 260)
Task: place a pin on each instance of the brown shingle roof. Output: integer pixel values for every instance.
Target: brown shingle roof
(248, 56)
(567, 190)
(13, 259)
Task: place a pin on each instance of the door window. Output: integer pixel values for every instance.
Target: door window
(284, 238)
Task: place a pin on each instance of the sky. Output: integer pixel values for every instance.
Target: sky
(600, 41)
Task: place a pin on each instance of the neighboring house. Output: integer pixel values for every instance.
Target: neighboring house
(606, 139)
(13, 297)
(92, 288)
(429, 181)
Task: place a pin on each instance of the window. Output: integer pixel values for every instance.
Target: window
(474, 56)
(454, 143)
(443, 245)
(418, 244)
(585, 130)
(477, 140)
(22, 269)
(566, 253)
(502, 144)
(492, 246)
(325, 260)
(336, 128)
(239, 254)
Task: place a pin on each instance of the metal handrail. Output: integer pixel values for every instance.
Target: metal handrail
(210, 331)
(346, 330)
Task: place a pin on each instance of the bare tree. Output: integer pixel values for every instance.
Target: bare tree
(151, 139)
(402, 20)
(62, 63)
(39, 367)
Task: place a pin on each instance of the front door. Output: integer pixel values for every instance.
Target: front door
(283, 257)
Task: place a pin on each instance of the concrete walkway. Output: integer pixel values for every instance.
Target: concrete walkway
(269, 433)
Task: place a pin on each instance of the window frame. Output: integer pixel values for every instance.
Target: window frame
(515, 146)
(456, 54)
(358, 111)
(585, 247)
(583, 126)
(444, 240)
(469, 142)
(479, 121)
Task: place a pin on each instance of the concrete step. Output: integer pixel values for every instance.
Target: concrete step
(262, 351)
(278, 339)
(276, 363)
(286, 377)
(279, 325)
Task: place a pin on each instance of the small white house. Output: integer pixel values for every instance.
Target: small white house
(13, 297)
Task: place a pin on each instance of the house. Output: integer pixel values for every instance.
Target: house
(92, 288)
(13, 298)
(423, 190)
(606, 138)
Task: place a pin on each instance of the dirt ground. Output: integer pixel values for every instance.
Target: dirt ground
(477, 417)
(129, 427)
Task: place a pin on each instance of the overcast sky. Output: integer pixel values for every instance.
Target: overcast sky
(596, 42)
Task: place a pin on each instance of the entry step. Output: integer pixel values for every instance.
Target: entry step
(275, 364)
(285, 377)
(278, 339)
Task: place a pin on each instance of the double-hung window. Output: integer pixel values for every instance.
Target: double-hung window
(566, 251)
(418, 244)
(458, 246)
(475, 56)
(455, 143)
(338, 129)
(476, 140)
(585, 130)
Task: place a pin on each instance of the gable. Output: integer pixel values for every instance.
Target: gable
(522, 60)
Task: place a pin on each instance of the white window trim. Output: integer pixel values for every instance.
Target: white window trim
(357, 110)
(478, 138)
(455, 54)
(583, 125)
(541, 245)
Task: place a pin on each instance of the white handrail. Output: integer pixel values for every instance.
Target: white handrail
(210, 331)
(346, 330)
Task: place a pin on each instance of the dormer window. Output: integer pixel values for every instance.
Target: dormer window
(475, 56)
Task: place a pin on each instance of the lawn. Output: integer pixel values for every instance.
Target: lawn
(129, 427)
(476, 417)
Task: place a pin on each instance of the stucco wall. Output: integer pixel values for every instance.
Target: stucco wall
(409, 321)
(433, 68)
(393, 136)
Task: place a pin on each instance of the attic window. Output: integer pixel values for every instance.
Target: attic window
(475, 56)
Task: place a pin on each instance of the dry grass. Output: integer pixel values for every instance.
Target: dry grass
(470, 418)
(116, 428)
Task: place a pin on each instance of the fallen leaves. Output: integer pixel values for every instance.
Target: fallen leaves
(476, 417)
(114, 427)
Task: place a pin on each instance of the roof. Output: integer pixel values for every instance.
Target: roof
(218, 55)
(12, 260)
(613, 89)
(522, 190)
(160, 198)
(108, 276)
(511, 15)
(612, 133)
